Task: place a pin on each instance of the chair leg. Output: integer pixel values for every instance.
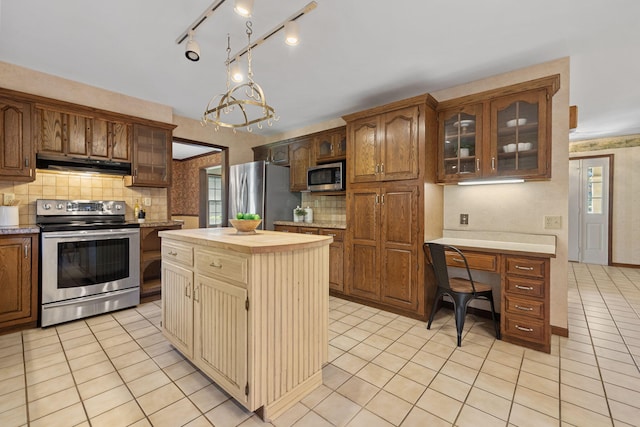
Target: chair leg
(496, 324)
(460, 302)
(436, 306)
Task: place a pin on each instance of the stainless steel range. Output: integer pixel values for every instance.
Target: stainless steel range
(89, 259)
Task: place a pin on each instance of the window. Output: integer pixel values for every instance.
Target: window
(215, 200)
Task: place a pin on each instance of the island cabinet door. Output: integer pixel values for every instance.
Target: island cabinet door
(177, 307)
(220, 314)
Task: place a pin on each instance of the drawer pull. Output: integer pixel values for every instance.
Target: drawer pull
(309, 232)
(214, 265)
(173, 253)
(524, 329)
(457, 259)
(524, 288)
(331, 234)
(524, 268)
(519, 307)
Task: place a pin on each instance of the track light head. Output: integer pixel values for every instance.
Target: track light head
(291, 33)
(243, 8)
(192, 49)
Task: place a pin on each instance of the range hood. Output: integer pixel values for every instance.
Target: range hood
(74, 164)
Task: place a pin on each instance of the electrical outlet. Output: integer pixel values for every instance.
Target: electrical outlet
(7, 198)
(146, 201)
(464, 219)
(552, 222)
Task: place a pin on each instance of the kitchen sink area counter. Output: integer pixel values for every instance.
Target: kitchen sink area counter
(542, 244)
(20, 229)
(249, 310)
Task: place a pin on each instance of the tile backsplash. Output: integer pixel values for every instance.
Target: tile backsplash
(326, 208)
(64, 185)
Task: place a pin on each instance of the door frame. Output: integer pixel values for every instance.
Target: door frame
(610, 204)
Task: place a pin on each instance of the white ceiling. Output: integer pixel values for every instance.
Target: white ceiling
(354, 54)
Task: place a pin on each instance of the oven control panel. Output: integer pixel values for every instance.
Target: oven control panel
(49, 207)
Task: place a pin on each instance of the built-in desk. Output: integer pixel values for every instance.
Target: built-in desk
(523, 264)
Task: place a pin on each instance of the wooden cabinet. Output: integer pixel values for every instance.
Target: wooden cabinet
(301, 156)
(385, 236)
(16, 146)
(79, 135)
(19, 283)
(277, 153)
(336, 251)
(151, 261)
(331, 145)
(497, 134)
(525, 302)
(384, 147)
(151, 157)
(240, 326)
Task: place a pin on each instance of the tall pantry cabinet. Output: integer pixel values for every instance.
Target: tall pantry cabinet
(390, 162)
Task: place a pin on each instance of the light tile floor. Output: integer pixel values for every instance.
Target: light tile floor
(385, 370)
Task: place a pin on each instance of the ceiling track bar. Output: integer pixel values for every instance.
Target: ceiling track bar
(306, 9)
(203, 17)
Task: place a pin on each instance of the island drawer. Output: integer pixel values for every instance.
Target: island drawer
(524, 287)
(525, 267)
(476, 261)
(338, 235)
(220, 264)
(524, 307)
(176, 252)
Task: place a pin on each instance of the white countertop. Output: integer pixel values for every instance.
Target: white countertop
(543, 244)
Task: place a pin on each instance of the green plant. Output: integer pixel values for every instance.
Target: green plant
(300, 212)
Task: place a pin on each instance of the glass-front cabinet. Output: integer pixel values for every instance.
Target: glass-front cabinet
(519, 134)
(502, 133)
(460, 147)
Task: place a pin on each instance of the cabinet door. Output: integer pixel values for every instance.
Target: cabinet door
(99, 142)
(336, 266)
(120, 143)
(49, 131)
(362, 164)
(460, 143)
(16, 150)
(151, 157)
(15, 270)
(77, 134)
(331, 145)
(399, 245)
(399, 145)
(177, 307)
(279, 155)
(519, 139)
(363, 249)
(300, 158)
(221, 334)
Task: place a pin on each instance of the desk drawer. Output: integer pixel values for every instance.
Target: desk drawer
(477, 261)
(524, 287)
(216, 264)
(524, 307)
(525, 267)
(338, 235)
(178, 253)
(525, 329)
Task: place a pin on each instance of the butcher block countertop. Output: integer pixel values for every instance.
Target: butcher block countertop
(262, 242)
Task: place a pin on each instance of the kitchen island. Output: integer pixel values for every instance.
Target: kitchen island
(251, 311)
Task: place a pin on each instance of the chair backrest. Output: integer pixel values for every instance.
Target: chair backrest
(439, 263)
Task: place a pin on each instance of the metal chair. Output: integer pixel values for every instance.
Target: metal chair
(461, 290)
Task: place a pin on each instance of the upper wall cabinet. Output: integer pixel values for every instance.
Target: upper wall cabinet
(500, 133)
(16, 148)
(301, 156)
(81, 135)
(384, 146)
(151, 157)
(277, 153)
(331, 145)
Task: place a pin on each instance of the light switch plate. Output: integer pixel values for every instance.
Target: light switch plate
(464, 219)
(552, 222)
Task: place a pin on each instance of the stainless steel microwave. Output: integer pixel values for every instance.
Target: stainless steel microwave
(328, 177)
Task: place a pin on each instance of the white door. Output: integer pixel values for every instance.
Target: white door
(589, 210)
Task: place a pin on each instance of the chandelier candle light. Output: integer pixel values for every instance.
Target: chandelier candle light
(244, 102)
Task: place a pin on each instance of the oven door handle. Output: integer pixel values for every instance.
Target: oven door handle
(85, 299)
(90, 234)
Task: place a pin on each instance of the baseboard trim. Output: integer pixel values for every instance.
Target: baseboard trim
(619, 264)
(557, 330)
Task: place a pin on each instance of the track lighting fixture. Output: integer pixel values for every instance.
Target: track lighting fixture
(291, 33)
(192, 50)
(243, 8)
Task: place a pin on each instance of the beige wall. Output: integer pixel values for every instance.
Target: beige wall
(625, 236)
(521, 207)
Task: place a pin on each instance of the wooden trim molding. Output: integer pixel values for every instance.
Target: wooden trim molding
(557, 330)
(573, 117)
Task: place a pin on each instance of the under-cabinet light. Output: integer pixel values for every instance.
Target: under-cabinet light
(492, 181)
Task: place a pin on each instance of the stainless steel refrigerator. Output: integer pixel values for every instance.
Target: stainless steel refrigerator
(262, 188)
